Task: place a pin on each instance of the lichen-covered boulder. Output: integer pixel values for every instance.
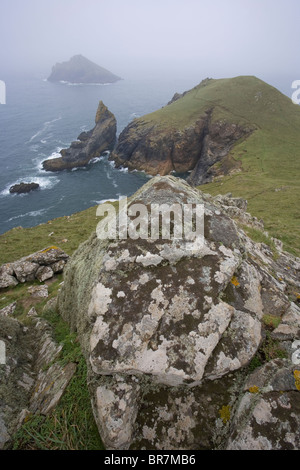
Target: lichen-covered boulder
(41, 265)
(268, 415)
(169, 328)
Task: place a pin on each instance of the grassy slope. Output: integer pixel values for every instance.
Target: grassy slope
(69, 232)
(270, 158)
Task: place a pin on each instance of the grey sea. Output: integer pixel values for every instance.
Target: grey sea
(40, 118)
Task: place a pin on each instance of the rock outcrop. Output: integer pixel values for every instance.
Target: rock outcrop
(81, 70)
(22, 188)
(189, 345)
(196, 148)
(195, 132)
(41, 265)
(32, 378)
(88, 145)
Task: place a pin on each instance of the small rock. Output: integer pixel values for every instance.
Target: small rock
(38, 291)
(50, 305)
(22, 188)
(32, 312)
(25, 270)
(9, 310)
(58, 266)
(44, 273)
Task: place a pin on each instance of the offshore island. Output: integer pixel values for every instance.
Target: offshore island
(79, 69)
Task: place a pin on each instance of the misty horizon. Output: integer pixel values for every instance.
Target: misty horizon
(160, 39)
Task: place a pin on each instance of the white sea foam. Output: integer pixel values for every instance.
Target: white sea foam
(64, 82)
(143, 172)
(102, 201)
(78, 168)
(29, 214)
(123, 169)
(134, 116)
(39, 161)
(43, 129)
(96, 159)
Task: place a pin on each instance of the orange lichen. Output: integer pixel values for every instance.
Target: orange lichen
(254, 389)
(234, 281)
(297, 379)
(50, 248)
(225, 413)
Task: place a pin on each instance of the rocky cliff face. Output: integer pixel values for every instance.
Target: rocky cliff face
(194, 132)
(195, 148)
(89, 144)
(189, 348)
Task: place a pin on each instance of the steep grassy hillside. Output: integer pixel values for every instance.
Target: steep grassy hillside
(263, 167)
(268, 160)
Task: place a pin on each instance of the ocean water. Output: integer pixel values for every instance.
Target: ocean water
(40, 118)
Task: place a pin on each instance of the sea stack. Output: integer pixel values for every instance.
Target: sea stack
(88, 144)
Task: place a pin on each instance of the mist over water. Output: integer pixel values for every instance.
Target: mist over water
(40, 118)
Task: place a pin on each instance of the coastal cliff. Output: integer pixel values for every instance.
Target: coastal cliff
(207, 130)
(196, 147)
(88, 144)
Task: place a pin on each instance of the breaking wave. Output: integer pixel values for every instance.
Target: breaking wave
(43, 129)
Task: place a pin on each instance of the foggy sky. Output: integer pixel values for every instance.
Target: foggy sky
(215, 38)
